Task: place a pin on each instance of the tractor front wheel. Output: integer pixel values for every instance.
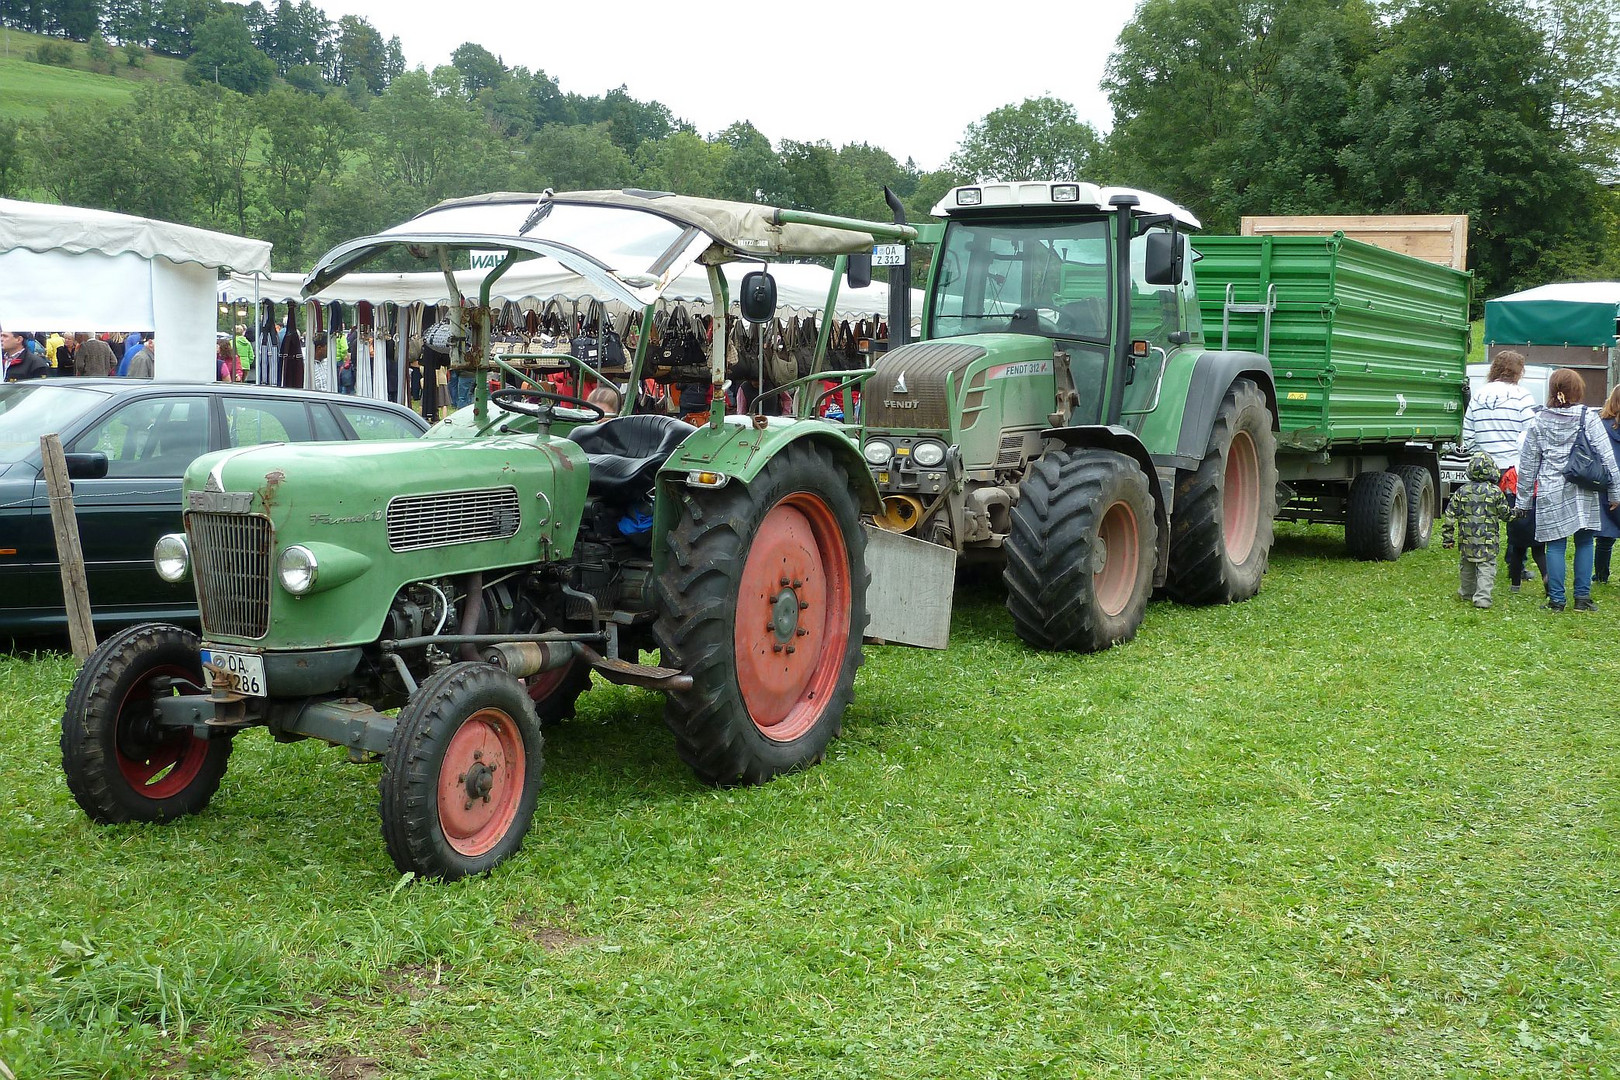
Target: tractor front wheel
(1220, 540)
(1081, 552)
(120, 765)
(762, 601)
(461, 774)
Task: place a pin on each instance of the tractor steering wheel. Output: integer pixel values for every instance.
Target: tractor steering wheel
(518, 399)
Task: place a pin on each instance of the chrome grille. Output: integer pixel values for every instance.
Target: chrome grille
(230, 555)
(452, 517)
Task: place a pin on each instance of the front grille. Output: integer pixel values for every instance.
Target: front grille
(1010, 454)
(907, 389)
(452, 517)
(231, 559)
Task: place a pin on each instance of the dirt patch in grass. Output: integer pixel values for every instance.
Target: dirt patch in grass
(548, 935)
(291, 1045)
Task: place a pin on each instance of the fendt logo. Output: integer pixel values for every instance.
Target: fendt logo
(900, 384)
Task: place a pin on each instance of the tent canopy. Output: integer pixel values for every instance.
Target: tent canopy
(1577, 313)
(800, 287)
(40, 227)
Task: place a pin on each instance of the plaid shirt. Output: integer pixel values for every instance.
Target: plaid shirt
(1562, 509)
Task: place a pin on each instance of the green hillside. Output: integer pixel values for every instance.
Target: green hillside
(28, 90)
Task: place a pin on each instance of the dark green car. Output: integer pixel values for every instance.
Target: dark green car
(128, 443)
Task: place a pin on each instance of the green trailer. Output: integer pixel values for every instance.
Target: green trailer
(1368, 348)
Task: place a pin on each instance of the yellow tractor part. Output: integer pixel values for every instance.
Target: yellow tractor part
(900, 513)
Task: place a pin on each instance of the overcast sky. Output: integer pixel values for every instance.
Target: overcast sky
(797, 70)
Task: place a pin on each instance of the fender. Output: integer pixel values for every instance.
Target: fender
(1123, 440)
(1212, 376)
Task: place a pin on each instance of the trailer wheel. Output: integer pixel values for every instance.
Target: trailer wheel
(1220, 537)
(555, 693)
(762, 600)
(1420, 505)
(461, 774)
(1375, 529)
(120, 766)
(1080, 555)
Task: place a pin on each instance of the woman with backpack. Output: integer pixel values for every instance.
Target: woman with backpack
(1556, 443)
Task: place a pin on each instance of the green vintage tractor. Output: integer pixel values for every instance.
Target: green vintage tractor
(474, 581)
(1063, 416)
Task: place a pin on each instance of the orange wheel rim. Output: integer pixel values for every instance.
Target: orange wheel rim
(793, 614)
(481, 782)
(1240, 498)
(1115, 566)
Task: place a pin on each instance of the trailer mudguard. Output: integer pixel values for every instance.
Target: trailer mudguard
(1212, 376)
(1123, 440)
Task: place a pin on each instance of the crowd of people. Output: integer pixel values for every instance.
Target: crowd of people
(25, 355)
(1548, 470)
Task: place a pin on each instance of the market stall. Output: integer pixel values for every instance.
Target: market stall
(1568, 325)
(67, 268)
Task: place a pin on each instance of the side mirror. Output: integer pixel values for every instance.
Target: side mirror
(757, 297)
(1162, 262)
(91, 466)
(859, 274)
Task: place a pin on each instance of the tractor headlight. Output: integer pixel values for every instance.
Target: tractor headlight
(172, 557)
(928, 454)
(297, 569)
(878, 452)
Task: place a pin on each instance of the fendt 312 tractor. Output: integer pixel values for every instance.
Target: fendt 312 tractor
(475, 580)
(1065, 413)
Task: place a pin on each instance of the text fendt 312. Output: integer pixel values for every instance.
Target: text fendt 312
(1066, 412)
(475, 578)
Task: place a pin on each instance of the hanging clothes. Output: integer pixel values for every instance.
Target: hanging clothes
(267, 349)
(292, 351)
(320, 367)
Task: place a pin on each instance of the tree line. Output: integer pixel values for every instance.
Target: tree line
(1505, 111)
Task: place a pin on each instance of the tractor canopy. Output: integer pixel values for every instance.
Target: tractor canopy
(631, 244)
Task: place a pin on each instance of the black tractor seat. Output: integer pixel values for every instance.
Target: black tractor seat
(625, 452)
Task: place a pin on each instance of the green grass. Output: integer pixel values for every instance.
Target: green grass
(29, 90)
(1350, 828)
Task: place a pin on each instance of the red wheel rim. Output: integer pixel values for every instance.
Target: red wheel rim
(545, 684)
(1113, 580)
(1240, 498)
(793, 606)
(481, 782)
(163, 767)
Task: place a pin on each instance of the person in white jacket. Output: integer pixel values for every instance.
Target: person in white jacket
(1495, 422)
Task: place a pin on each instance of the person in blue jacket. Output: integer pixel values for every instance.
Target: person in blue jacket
(132, 345)
(1608, 520)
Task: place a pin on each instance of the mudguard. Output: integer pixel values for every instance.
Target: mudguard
(1212, 376)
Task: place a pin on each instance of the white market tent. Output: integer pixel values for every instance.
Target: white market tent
(67, 268)
(800, 287)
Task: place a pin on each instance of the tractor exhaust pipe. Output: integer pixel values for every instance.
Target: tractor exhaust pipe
(899, 281)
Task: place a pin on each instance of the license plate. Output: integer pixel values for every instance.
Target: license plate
(242, 673)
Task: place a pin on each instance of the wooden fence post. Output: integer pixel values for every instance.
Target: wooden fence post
(75, 586)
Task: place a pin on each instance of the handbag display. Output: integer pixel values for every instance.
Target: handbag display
(1585, 469)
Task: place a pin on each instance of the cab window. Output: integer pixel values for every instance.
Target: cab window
(1048, 278)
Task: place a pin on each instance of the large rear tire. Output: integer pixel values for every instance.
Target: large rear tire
(120, 765)
(461, 774)
(1421, 504)
(1220, 536)
(1081, 552)
(762, 600)
(1375, 528)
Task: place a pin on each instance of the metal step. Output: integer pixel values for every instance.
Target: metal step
(625, 673)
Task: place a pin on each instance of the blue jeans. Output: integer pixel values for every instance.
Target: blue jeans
(1583, 567)
(461, 388)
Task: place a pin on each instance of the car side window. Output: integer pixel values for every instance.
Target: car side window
(327, 429)
(376, 423)
(150, 436)
(251, 421)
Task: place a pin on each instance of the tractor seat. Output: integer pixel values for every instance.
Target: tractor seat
(624, 452)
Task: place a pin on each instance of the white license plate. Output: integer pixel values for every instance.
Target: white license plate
(239, 672)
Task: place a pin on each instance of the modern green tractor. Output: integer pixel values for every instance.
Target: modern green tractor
(474, 581)
(1062, 413)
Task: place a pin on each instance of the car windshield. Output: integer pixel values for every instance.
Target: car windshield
(29, 410)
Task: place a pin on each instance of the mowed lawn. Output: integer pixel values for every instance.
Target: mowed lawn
(1351, 828)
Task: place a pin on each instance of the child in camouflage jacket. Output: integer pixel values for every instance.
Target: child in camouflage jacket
(1474, 514)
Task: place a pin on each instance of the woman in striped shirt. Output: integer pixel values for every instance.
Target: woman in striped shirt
(1495, 422)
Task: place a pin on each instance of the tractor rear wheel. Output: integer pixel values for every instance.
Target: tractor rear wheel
(555, 693)
(120, 765)
(1081, 552)
(1220, 538)
(1420, 505)
(1375, 527)
(762, 601)
(461, 774)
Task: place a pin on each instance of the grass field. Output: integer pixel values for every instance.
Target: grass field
(1351, 828)
(29, 90)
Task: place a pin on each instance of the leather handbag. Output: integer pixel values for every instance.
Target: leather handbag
(1585, 469)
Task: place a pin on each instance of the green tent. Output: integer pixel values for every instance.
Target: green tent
(1578, 313)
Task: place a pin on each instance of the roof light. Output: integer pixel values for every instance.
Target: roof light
(1065, 192)
(969, 196)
